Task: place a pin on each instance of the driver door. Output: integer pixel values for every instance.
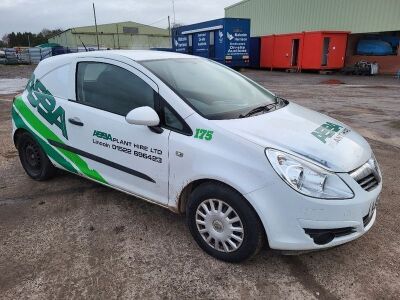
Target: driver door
(129, 157)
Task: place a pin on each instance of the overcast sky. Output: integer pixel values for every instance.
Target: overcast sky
(34, 15)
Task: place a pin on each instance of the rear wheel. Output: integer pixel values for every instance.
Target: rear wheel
(223, 223)
(33, 159)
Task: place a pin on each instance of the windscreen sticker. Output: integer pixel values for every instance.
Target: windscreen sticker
(106, 140)
(203, 134)
(331, 133)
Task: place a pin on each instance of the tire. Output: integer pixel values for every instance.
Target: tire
(33, 159)
(207, 227)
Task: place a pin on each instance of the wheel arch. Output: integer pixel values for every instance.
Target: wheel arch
(17, 134)
(190, 187)
(187, 190)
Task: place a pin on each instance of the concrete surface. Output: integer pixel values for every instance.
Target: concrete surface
(11, 86)
(71, 238)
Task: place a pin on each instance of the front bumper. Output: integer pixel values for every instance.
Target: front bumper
(292, 221)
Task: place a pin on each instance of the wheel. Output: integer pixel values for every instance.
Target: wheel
(33, 159)
(223, 223)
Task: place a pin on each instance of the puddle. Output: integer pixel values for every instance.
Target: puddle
(332, 81)
(395, 124)
(12, 86)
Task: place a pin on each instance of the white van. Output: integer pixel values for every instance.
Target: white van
(196, 137)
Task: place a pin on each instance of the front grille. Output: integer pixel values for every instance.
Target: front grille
(367, 176)
(369, 182)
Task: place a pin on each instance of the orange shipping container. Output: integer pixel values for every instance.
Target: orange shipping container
(317, 50)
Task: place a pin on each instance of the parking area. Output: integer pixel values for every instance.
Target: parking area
(72, 238)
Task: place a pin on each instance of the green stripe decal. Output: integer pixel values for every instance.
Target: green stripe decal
(46, 147)
(46, 133)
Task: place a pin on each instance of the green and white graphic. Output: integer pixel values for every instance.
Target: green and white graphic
(41, 99)
(326, 131)
(24, 118)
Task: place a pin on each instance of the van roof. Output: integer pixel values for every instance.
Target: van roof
(51, 63)
(136, 55)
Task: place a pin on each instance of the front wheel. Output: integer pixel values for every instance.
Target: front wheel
(223, 223)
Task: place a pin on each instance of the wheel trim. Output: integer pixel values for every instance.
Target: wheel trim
(32, 156)
(219, 225)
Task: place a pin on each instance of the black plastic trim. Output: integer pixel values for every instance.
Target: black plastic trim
(101, 160)
(324, 236)
(162, 104)
(367, 218)
(75, 122)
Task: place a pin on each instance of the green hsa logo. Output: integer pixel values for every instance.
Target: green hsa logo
(326, 131)
(102, 135)
(41, 99)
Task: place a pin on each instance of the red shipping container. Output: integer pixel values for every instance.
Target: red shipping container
(307, 50)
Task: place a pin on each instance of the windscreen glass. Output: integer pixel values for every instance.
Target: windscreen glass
(215, 91)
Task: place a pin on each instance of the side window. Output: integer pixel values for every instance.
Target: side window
(111, 88)
(171, 120)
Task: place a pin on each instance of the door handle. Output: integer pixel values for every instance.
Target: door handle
(75, 121)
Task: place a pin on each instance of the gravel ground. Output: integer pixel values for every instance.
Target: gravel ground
(71, 238)
(17, 71)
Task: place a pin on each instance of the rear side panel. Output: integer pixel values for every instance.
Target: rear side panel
(42, 114)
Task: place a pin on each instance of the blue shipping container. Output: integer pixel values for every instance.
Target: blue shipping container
(224, 40)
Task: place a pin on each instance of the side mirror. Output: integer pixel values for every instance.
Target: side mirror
(144, 115)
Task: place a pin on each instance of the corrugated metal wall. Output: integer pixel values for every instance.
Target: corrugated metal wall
(113, 41)
(286, 16)
(112, 36)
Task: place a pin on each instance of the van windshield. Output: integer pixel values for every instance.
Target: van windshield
(213, 90)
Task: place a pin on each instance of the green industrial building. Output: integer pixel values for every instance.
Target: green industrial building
(287, 16)
(364, 19)
(122, 35)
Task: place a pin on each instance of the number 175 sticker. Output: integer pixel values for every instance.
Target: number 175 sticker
(203, 134)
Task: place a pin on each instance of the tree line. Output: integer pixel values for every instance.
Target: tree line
(27, 39)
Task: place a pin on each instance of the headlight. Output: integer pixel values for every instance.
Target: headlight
(307, 178)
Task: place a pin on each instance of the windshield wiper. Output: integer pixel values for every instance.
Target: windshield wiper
(258, 109)
(279, 100)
